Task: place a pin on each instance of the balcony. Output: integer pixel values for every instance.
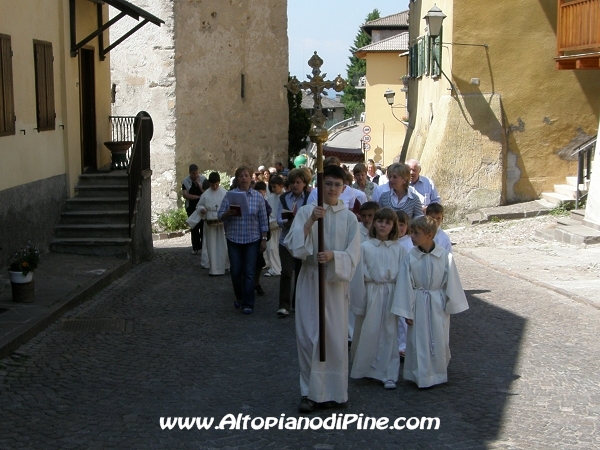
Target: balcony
(578, 35)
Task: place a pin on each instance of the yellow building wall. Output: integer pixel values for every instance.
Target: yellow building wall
(384, 71)
(424, 93)
(28, 155)
(545, 109)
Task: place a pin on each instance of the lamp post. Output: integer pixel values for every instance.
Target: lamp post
(390, 96)
(318, 135)
(434, 19)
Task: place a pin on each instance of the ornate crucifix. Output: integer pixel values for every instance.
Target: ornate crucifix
(318, 134)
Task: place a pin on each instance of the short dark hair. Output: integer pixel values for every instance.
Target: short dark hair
(193, 168)
(359, 168)
(334, 171)
(205, 185)
(276, 179)
(214, 177)
(260, 186)
(369, 206)
(434, 208)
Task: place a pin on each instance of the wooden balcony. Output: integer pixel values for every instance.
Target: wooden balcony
(578, 35)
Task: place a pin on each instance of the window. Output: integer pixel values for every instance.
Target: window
(44, 85)
(419, 62)
(425, 56)
(435, 53)
(7, 103)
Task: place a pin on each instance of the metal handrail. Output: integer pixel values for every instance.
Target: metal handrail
(139, 161)
(584, 166)
(343, 124)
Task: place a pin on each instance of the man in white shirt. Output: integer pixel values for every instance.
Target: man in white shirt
(423, 185)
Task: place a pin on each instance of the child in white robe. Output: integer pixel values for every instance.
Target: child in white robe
(375, 353)
(367, 212)
(428, 290)
(406, 242)
(214, 248)
(272, 253)
(441, 238)
(324, 381)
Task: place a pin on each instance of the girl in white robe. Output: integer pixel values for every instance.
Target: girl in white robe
(374, 348)
(324, 381)
(428, 290)
(214, 246)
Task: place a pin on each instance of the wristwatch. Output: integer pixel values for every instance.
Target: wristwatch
(264, 238)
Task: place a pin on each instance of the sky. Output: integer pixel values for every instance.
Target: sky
(329, 27)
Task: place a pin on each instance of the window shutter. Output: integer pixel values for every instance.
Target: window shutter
(7, 103)
(421, 56)
(44, 84)
(436, 56)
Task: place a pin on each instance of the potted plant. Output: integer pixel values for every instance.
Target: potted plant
(23, 264)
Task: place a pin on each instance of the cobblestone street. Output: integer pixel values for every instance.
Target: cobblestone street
(525, 371)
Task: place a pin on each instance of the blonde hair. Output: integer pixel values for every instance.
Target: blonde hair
(386, 214)
(424, 223)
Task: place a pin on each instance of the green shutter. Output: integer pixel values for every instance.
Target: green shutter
(436, 56)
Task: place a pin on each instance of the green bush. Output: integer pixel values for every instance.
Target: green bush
(172, 220)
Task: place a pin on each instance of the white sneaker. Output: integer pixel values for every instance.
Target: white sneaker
(389, 384)
(283, 312)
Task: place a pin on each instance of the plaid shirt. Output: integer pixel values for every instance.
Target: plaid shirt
(248, 227)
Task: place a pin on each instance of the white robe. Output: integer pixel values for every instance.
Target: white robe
(364, 235)
(328, 380)
(406, 242)
(272, 253)
(374, 348)
(214, 245)
(428, 290)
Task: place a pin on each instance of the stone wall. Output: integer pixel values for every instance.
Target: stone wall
(231, 64)
(142, 67)
(28, 213)
(188, 75)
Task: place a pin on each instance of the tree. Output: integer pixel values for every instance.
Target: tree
(354, 98)
(299, 125)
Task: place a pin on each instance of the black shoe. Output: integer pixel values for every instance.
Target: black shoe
(259, 290)
(306, 405)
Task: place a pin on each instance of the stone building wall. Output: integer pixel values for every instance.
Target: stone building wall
(188, 76)
(143, 71)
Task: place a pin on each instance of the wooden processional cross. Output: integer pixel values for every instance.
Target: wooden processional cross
(318, 135)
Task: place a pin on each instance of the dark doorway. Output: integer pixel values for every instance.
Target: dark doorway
(87, 95)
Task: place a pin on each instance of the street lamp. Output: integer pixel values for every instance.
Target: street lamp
(389, 96)
(434, 19)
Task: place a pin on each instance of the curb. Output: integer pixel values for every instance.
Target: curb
(541, 284)
(163, 236)
(25, 332)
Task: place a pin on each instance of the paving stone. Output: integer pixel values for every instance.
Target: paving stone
(524, 371)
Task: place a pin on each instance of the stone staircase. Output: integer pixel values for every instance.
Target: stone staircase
(566, 194)
(96, 220)
(572, 229)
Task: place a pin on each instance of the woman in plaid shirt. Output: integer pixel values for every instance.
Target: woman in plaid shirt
(246, 236)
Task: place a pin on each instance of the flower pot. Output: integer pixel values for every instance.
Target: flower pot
(19, 278)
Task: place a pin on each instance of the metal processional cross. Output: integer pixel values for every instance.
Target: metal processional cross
(318, 134)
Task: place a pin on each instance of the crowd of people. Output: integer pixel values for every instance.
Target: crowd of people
(390, 285)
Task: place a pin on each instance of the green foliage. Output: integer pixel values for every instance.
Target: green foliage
(354, 98)
(225, 178)
(562, 209)
(25, 260)
(299, 125)
(172, 220)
